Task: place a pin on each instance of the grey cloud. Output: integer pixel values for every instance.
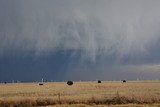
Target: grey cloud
(96, 28)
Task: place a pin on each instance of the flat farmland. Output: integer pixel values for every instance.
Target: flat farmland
(83, 94)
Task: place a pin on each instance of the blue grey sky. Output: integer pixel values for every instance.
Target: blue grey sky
(63, 40)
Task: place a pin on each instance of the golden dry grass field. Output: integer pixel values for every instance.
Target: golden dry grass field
(81, 94)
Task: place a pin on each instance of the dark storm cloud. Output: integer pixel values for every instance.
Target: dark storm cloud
(104, 32)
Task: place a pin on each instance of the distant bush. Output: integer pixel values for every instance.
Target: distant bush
(70, 82)
(99, 81)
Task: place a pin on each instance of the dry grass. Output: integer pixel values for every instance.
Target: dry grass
(122, 105)
(87, 93)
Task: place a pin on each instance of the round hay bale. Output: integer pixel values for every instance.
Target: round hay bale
(124, 81)
(40, 84)
(70, 82)
(99, 81)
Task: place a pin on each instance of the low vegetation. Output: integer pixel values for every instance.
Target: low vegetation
(82, 94)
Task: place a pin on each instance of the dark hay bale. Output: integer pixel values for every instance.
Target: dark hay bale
(70, 82)
(40, 84)
(99, 81)
(124, 81)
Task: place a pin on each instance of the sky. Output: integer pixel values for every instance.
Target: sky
(60, 40)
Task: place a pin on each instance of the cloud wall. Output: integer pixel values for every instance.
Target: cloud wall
(94, 27)
(103, 31)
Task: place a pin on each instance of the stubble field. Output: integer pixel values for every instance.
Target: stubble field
(81, 94)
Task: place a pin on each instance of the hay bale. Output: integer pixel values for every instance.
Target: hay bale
(40, 84)
(99, 81)
(70, 82)
(124, 81)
